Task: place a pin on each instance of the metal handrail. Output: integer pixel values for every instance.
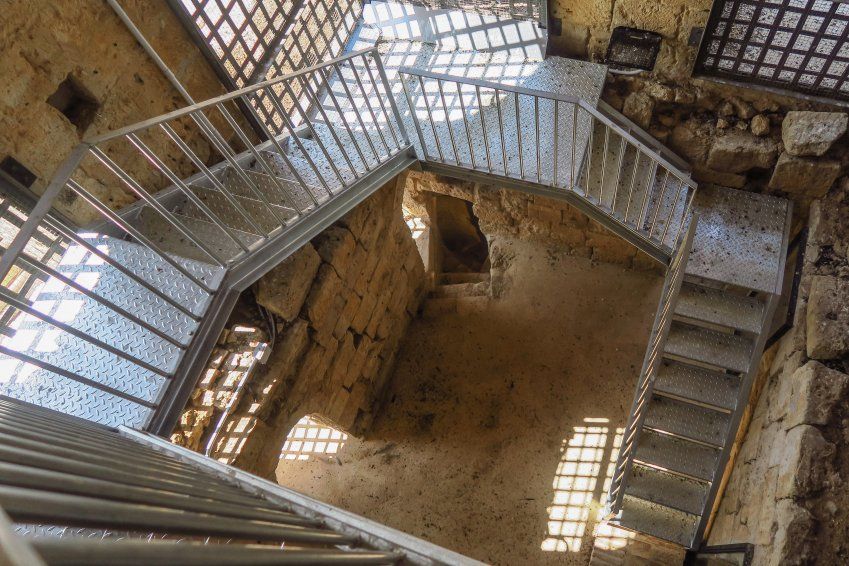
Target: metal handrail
(654, 355)
(649, 195)
(247, 203)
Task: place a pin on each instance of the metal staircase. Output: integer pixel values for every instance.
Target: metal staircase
(125, 318)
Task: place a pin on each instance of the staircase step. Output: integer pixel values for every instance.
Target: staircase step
(720, 307)
(677, 455)
(687, 420)
(453, 278)
(719, 349)
(303, 198)
(460, 290)
(261, 215)
(698, 384)
(667, 489)
(657, 520)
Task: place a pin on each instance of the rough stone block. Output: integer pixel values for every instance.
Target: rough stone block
(705, 175)
(639, 108)
(336, 246)
(803, 176)
(792, 524)
(812, 133)
(738, 151)
(284, 289)
(803, 459)
(815, 392)
(322, 298)
(692, 140)
(827, 318)
(544, 213)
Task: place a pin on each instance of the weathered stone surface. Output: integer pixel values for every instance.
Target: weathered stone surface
(738, 151)
(812, 133)
(660, 92)
(705, 175)
(828, 318)
(283, 289)
(804, 176)
(692, 140)
(803, 462)
(639, 108)
(760, 125)
(816, 389)
(790, 545)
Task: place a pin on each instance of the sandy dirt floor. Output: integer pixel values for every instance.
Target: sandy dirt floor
(500, 427)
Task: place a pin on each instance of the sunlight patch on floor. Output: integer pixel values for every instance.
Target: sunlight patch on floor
(312, 438)
(583, 477)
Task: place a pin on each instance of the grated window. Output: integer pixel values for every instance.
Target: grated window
(632, 48)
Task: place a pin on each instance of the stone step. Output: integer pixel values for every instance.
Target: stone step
(452, 278)
(436, 307)
(462, 290)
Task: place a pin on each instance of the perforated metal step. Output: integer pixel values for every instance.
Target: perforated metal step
(719, 349)
(676, 454)
(667, 489)
(687, 420)
(657, 520)
(719, 307)
(698, 384)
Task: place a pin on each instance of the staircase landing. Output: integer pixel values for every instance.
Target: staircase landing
(740, 238)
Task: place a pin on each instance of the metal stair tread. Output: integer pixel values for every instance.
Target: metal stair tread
(687, 420)
(657, 520)
(719, 349)
(667, 489)
(719, 307)
(677, 455)
(698, 384)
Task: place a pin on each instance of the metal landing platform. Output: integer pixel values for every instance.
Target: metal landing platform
(740, 238)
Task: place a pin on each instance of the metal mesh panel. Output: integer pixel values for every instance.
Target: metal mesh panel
(516, 9)
(797, 45)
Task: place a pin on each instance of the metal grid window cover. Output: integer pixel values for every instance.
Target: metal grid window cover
(796, 45)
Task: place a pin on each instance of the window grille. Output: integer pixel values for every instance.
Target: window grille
(792, 45)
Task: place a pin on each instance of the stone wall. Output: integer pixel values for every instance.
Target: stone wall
(787, 491)
(505, 212)
(44, 43)
(587, 25)
(342, 304)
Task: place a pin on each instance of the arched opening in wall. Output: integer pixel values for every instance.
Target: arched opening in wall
(462, 245)
(313, 437)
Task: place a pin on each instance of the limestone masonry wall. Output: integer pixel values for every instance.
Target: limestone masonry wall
(787, 493)
(342, 304)
(44, 43)
(505, 212)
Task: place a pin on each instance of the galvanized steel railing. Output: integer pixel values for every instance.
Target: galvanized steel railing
(131, 292)
(75, 492)
(554, 141)
(651, 365)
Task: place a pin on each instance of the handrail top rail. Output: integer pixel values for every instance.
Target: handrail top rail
(145, 124)
(680, 174)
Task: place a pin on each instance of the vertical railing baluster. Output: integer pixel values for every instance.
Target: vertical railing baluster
(536, 128)
(556, 140)
(380, 101)
(681, 186)
(367, 103)
(483, 129)
(644, 208)
(430, 119)
(622, 150)
(387, 87)
(519, 135)
(414, 116)
(501, 132)
(466, 125)
(659, 202)
(448, 122)
(572, 181)
(603, 162)
(637, 156)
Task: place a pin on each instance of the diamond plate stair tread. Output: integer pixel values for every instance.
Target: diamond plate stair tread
(256, 210)
(720, 307)
(298, 193)
(739, 238)
(677, 455)
(657, 520)
(667, 489)
(727, 351)
(687, 420)
(313, 149)
(698, 384)
(170, 240)
(280, 192)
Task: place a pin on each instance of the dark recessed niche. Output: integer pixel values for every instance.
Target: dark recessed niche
(14, 169)
(75, 102)
(632, 48)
